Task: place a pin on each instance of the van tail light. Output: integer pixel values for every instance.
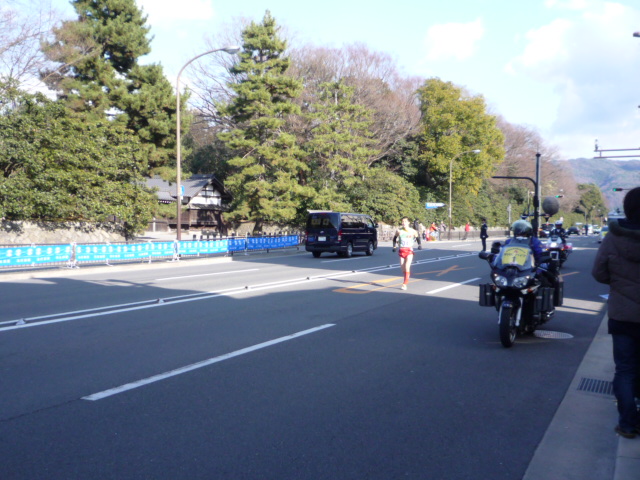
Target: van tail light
(306, 236)
(339, 235)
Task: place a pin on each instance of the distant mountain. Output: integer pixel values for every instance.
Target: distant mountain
(607, 174)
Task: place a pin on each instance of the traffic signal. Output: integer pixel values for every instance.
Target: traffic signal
(559, 196)
(617, 189)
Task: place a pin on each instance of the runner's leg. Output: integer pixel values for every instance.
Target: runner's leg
(407, 268)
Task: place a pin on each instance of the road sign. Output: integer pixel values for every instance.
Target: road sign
(433, 205)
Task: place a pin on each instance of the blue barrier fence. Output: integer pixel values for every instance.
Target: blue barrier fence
(75, 254)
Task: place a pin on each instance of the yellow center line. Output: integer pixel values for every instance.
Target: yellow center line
(567, 274)
(358, 289)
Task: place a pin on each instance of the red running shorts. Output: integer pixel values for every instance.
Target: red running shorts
(405, 252)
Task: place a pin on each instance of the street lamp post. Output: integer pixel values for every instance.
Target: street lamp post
(230, 50)
(450, 181)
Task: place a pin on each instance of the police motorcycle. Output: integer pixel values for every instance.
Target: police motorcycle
(557, 249)
(519, 289)
(557, 246)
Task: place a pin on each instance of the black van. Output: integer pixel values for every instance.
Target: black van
(341, 233)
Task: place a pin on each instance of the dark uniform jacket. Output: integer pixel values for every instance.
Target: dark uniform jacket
(483, 231)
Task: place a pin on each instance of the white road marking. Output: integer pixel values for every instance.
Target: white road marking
(204, 363)
(29, 322)
(343, 259)
(452, 286)
(206, 274)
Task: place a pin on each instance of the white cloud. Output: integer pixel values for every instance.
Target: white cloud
(545, 49)
(592, 61)
(453, 40)
(162, 12)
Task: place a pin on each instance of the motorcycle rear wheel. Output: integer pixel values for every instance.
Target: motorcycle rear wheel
(508, 325)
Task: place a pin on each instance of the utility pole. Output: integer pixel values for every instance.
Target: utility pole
(536, 196)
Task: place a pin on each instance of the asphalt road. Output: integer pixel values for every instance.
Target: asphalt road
(280, 367)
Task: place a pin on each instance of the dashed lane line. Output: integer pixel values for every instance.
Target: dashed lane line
(194, 366)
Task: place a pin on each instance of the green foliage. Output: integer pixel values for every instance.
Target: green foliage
(339, 148)
(591, 202)
(452, 124)
(165, 210)
(210, 159)
(276, 161)
(269, 162)
(386, 196)
(100, 75)
(60, 167)
(149, 109)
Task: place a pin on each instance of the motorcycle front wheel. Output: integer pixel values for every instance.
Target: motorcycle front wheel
(508, 325)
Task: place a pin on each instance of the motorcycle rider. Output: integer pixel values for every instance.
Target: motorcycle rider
(560, 232)
(523, 230)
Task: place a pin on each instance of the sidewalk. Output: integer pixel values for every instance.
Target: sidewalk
(580, 443)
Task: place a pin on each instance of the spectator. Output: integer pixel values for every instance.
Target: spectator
(433, 231)
(416, 227)
(467, 229)
(617, 264)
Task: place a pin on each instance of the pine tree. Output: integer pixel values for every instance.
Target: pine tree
(269, 162)
(340, 146)
(100, 74)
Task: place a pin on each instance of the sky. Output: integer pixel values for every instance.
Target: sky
(570, 69)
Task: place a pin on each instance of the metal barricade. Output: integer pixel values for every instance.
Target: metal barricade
(73, 255)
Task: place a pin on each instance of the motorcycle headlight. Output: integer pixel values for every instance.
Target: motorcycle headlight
(553, 245)
(500, 281)
(520, 282)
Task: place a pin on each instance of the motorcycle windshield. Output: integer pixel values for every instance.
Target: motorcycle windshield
(553, 242)
(516, 254)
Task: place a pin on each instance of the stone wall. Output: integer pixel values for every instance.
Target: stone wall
(42, 233)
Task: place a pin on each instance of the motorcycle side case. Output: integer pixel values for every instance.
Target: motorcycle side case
(487, 295)
(544, 300)
(558, 294)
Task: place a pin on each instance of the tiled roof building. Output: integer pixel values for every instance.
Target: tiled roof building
(204, 196)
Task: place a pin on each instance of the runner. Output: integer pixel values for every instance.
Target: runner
(405, 236)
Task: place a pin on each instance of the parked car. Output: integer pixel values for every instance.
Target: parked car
(341, 233)
(573, 230)
(603, 232)
(596, 229)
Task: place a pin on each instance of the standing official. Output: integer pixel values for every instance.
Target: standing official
(484, 234)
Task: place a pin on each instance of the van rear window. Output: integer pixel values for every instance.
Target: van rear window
(323, 220)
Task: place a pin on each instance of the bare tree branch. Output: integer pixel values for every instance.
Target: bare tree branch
(23, 26)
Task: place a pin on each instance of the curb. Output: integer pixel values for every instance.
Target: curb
(579, 443)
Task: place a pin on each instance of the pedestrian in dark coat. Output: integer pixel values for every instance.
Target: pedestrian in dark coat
(416, 227)
(617, 264)
(484, 234)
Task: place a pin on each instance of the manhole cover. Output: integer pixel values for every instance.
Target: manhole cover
(550, 334)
